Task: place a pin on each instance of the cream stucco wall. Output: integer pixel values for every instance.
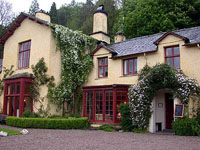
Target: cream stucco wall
(42, 45)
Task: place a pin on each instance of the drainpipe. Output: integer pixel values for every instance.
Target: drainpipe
(198, 45)
(145, 57)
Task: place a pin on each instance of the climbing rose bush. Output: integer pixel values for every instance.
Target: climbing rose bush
(151, 80)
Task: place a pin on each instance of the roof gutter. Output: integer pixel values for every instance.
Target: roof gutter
(116, 57)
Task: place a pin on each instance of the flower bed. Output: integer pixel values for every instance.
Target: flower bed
(48, 123)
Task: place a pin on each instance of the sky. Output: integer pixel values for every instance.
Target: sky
(23, 5)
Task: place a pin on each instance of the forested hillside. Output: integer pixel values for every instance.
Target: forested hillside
(134, 17)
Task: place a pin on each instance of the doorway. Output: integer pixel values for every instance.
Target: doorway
(169, 109)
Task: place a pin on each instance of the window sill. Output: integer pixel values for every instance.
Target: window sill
(101, 78)
(129, 75)
(22, 68)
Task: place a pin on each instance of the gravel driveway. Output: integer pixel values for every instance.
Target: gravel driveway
(44, 139)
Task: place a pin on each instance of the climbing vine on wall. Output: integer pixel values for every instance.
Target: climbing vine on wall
(6, 73)
(152, 79)
(41, 78)
(76, 63)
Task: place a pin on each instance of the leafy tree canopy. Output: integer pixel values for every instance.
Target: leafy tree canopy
(143, 17)
(53, 13)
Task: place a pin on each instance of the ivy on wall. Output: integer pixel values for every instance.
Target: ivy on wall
(152, 79)
(76, 63)
(41, 78)
(6, 73)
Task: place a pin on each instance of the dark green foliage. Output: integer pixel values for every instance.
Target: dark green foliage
(186, 127)
(107, 128)
(48, 123)
(7, 73)
(53, 13)
(79, 16)
(126, 122)
(29, 114)
(74, 115)
(56, 117)
(41, 78)
(144, 17)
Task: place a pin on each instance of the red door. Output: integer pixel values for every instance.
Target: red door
(169, 103)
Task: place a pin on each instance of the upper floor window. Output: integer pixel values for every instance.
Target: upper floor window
(102, 67)
(24, 54)
(172, 56)
(130, 66)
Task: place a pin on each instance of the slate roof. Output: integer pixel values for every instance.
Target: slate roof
(17, 23)
(147, 43)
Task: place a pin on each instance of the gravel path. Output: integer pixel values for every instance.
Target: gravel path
(44, 139)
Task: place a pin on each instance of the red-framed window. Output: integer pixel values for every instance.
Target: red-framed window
(24, 54)
(17, 96)
(103, 67)
(172, 56)
(130, 66)
(101, 104)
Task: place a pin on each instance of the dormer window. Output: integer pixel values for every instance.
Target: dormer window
(172, 56)
(24, 54)
(130, 66)
(102, 67)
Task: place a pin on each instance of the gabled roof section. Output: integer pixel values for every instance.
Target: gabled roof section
(170, 33)
(17, 23)
(110, 50)
(149, 43)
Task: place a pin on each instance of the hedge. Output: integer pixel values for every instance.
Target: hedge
(48, 123)
(186, 127)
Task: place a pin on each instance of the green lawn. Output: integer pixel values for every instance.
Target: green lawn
(10, 131)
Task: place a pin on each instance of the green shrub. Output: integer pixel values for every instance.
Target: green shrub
(126, 122)
(48, 123)
(56, 117)
(105, 126)
(109, 130)
(74, 116)
(29, 114)
(186, 127)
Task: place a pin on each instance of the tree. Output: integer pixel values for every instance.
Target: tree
(53, 13)
(144, 17)
(34, 8)
(86, 16)
(6, 14)
(6, 17)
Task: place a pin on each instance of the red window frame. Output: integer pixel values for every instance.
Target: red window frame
(134, 71)
(110, 103)
(173, 55)
(24, 54)
(104, 66)
(21, 95)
